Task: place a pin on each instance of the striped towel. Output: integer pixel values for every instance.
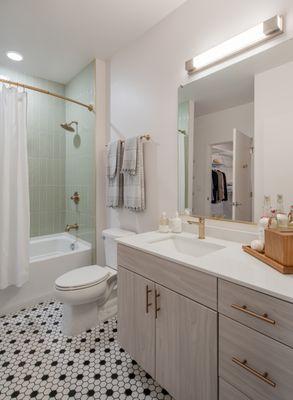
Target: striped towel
(133, 170)
(129, 157)
(114, 177)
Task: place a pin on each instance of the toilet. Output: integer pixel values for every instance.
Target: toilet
(84, 291)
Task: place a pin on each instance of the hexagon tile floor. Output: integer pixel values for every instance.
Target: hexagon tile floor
(38, 362)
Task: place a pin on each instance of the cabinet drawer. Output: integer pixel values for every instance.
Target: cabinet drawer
(259, 311)
(228, 392)
(186, 281)
(257, 365)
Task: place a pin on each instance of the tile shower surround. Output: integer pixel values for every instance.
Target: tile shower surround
(80, 165)
(52, 179)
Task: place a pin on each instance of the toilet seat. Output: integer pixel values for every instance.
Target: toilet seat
(82, 278)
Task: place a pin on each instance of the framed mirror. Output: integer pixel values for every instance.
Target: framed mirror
(235, 135)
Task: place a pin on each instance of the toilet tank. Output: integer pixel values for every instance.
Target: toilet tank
(110, 244)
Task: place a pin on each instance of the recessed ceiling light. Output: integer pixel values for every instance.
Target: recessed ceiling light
(6, 78)
(13, 55)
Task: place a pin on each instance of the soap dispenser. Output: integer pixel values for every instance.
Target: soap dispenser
(164, 223)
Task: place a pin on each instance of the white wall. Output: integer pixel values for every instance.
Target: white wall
(101, 113)
(211, 129)
(144, 82)
(274, 135)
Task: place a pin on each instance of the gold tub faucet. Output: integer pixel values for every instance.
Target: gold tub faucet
(69, 227)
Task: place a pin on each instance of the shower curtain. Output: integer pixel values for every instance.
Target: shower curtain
(14, 189)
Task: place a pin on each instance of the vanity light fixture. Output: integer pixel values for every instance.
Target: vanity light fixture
(242, 42)
(13, 55)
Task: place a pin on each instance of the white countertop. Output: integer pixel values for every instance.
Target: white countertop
(230, 263)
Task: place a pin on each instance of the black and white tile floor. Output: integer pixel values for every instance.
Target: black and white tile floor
(38, 362)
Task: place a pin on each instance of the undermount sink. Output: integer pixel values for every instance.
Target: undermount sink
(188, 246)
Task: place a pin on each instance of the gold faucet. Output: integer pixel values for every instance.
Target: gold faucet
(69, 227)
(201, 226)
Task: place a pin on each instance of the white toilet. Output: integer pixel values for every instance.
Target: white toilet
(85, 290)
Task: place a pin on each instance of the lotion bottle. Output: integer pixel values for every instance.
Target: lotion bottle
(267, 206)
(176, 224)
(281, 216)
(262, 225)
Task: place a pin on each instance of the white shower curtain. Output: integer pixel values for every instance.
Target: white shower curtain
(14, 189)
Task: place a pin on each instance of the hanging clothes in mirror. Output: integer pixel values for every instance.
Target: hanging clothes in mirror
(219, 186)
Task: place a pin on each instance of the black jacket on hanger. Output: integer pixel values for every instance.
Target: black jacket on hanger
(215, 187)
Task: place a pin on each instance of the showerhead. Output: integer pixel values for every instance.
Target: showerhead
(68, 126)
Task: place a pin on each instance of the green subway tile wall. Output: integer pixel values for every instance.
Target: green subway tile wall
(56, 167)
(46, 155)
(80, 156)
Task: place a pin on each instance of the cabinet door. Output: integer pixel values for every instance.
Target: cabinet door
(228, 392)
(136, 321)
(186, 347)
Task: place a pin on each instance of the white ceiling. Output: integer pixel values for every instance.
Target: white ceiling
(59, 37)
(234, 85)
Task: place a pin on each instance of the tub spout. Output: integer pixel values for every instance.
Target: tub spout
(69, 227)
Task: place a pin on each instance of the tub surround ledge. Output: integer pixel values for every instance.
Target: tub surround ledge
(50, 257)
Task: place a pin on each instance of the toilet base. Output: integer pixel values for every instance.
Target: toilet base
(78, 318)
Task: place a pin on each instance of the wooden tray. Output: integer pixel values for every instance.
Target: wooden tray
(272, 263)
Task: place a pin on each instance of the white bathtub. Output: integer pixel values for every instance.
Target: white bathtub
(50, 257)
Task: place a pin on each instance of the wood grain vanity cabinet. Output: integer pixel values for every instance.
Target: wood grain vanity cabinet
(135, 318)
(186, 347)
(255, 343)
(200, 337)
(171, 336)
(264, 313)
(228, 392)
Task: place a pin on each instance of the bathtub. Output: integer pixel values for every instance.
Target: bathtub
(50, 257)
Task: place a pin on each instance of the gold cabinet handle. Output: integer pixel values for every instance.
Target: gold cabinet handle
(263, 377)
(263, 317)
(147, 304)
(157, 309)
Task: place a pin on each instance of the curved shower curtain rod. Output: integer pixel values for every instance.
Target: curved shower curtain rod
(90, 107)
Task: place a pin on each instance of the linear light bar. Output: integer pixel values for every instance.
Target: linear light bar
(244, 41)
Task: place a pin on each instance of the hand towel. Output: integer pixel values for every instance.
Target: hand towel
(134, 185)
(112, 155)
(130, 156)
(115, 178)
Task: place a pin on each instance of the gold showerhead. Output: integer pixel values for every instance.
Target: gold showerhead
(68, 126)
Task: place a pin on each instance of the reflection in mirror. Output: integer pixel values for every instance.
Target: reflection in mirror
(216, 137)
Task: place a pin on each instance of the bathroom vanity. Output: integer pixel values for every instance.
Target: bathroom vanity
(206, 320)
